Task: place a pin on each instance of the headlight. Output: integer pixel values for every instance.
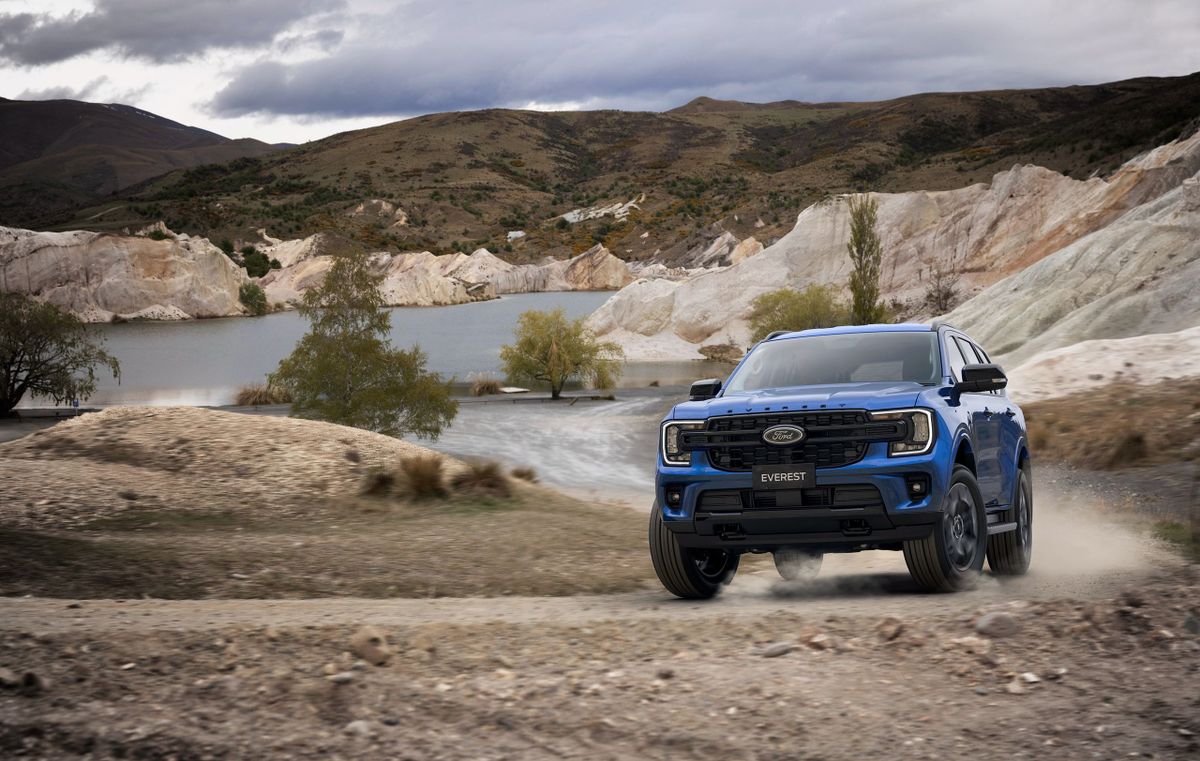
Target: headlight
(920, 431)
(671, 453)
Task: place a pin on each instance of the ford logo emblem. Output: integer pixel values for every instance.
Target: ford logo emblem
(783, 435)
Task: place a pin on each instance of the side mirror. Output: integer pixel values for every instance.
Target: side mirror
(982, 378)
(703, 390)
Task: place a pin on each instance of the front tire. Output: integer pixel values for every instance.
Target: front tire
(798, 565)
(951, 558)
(1009, 553)
(688, 573)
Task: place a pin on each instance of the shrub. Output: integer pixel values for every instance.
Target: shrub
(483, 479)
(226, 245)
(942, 291)
(485, 387)
(817, 306)
(253, 298)
(424, 477)
(256, 262)
(525, 474)
(551, 349)
(260, 394)
(157, 235)
(377, 483)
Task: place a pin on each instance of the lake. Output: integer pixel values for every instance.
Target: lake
(204, 362)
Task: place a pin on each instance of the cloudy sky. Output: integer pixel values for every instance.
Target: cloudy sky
(295, 70)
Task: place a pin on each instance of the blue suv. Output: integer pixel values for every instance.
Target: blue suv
(873, 437)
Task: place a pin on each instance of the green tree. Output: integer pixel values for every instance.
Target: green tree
(551, 349)
(866, 256)
(817, 306)
(345, 370)
(253, 298)
(47, 352)
(256, 262)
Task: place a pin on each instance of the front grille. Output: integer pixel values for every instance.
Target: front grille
(844, 496)
(833, 439)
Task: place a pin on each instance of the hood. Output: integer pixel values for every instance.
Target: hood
(868, 396)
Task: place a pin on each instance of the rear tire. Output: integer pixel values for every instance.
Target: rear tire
(1009, 553)
(798, 565)
(951, 558)
(688, 573)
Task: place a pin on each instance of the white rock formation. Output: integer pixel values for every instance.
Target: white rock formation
(985, 232)
(379, 209)
(99, 276)
(614, 210)
(1138, 275)
(408, 279)
(1142, 360)
(594, 270)
(423, 279)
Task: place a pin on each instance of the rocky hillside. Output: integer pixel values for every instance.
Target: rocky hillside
(1038, 256)
(59, 155)
(647, 185)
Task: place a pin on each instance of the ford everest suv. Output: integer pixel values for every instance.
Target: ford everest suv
(874, 437)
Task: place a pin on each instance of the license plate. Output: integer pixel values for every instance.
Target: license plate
(771, 477)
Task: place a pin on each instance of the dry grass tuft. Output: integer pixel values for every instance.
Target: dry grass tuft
(483, 479)
(485, 387)
(260, 394)
(425, 477)
(377, 483)
(525, 474)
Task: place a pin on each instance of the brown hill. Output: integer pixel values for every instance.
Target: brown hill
(466, 179)
(61, 154)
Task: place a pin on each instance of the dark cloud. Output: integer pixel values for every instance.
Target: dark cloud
(157, 30)
(433, 55)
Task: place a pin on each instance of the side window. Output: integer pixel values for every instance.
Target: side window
(979, 354)
(955, 357)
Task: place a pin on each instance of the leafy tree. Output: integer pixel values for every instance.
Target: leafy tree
(253, 298)
(47, 352)
(345, 370)
(551, 349)
(817, 306)
(866, 256)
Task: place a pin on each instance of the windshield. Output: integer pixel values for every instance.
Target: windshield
(843, 358)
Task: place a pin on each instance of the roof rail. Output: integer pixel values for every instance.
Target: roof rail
(777, 333)
(938, 325)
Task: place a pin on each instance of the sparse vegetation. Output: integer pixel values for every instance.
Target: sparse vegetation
(485, 387)
(941, 292)
(817, 306)
(254, 299)
(344, 370)
(262, 394)
(1127, 426)
(482, 479)
(424, 477)
(47, 353)
(525, 474)
(866, 257)
(553, 350)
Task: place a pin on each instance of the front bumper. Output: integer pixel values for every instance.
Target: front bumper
(867, 505)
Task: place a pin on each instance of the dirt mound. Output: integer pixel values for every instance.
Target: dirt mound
(187, 459)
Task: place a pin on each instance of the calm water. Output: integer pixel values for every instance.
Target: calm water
(204, 362)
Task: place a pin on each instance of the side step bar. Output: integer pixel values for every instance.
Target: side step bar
(1001, 528)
